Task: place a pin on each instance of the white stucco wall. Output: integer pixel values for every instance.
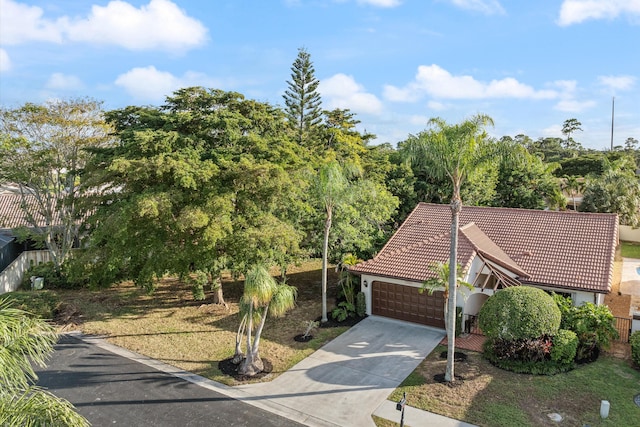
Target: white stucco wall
(629, 234)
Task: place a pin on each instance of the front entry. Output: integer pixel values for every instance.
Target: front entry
(406, 303)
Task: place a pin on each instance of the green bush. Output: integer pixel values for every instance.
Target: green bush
(519, 312)
(635, 347)
(40, 304)
(64, 278)
(593, 324)
(533, 367)
(565, 344)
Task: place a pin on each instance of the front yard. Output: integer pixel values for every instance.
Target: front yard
(195, 335)
(492, 397)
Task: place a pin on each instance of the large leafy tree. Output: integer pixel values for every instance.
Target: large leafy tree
(303, 104)
(454, 151)
(617, 190)
(43, 152)
(569, 127)
(525, 181)
(201, 183)
(26, 341)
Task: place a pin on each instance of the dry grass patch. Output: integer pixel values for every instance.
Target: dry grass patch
(195, 335)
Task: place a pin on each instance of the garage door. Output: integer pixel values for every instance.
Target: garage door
(406, 303)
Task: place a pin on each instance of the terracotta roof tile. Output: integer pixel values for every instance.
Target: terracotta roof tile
(13, 216)
(561, 249)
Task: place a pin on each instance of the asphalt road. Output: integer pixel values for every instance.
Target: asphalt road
(109, 390)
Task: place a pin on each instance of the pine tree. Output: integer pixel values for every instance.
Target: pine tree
(302, 100)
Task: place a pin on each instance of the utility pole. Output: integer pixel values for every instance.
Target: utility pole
(613, 107)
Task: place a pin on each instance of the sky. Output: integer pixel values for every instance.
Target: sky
(530, 65)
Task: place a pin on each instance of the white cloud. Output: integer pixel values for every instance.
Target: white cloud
(151, 84)
(381, 3)
(577, 11)
(437, 82)
(617, 82)
(20, 23)
(488, 7)
(553, 131)
(342, 91)
(438, 106)
(5, 62)
(159, 25)
(59, 81)
(574, 106)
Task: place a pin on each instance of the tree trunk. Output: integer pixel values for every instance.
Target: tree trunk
(456, 207)
(238, 356)
(325, 250)
(252, 364)
(218, 296)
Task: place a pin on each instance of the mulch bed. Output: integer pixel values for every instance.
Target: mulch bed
(457, 356)
(229, 368)
(302, 338)
(457, 382)
(332, 323)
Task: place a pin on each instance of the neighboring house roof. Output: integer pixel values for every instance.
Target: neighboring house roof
(559, 249)
(13, 216)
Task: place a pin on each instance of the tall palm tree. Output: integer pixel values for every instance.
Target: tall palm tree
(262, 296)
(24, 341)
(330, 188)
(453, 151)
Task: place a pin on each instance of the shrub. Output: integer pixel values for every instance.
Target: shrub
(593, 325)
(40, 304)
(519, 312)
(361, 304)
(565, 344)
(342, 311)
(635, 347)
(534, 367)
(63, 278)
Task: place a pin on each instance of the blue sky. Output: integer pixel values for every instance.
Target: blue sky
(395, 63)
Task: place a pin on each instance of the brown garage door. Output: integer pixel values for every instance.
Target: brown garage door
(406, 303)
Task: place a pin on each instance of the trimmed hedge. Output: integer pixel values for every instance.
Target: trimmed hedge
(635, 347)
(519, 312)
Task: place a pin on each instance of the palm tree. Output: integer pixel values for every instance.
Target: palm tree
(453, 151)
(440, 282)
(262, 295)
(330, 188)
(575, 187)
(26, 341)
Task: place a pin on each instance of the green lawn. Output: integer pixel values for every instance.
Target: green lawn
(492, 397)
(630, 249)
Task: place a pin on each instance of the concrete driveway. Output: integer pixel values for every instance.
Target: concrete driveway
(345, 381)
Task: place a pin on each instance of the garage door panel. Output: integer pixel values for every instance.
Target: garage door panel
(407, 303)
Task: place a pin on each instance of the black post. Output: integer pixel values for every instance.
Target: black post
(400, 407)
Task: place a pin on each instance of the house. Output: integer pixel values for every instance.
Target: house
(569, 253)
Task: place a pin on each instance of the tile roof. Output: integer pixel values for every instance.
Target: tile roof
(560, 249)
(12, 214)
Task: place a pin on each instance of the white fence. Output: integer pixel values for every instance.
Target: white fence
(629, 234)
(11, 277)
